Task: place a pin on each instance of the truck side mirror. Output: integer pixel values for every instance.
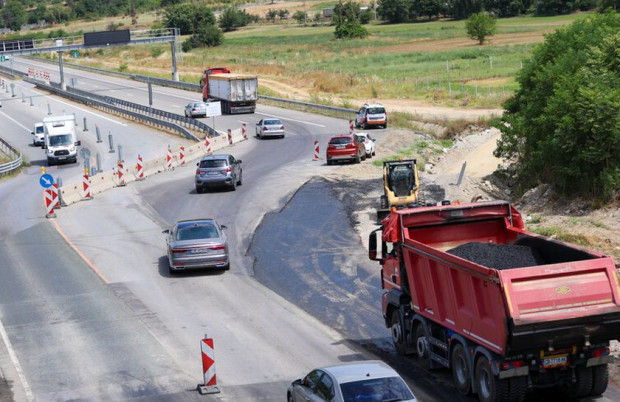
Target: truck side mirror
(32, 132)
(372, 245)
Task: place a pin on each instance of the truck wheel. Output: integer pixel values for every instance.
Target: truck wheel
(460, 370)
(398, 337)
(490, 388)
(421, 345)
(583, 384)
(600, 378)
(384, 202)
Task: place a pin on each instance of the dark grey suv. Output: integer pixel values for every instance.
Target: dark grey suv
(218, 170)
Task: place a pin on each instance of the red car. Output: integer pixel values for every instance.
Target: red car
(345, 147)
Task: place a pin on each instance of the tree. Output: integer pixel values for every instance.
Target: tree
(283, 13)
(14, 15)
(207, 35)
(394, 11)
(300, 16)
(348, 25)
(480, 26)
(562, 126)
(271, 15)
(188, 17)
(230, 19)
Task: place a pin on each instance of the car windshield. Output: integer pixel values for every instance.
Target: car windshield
(39, 130)
(340, 140)
(213, 163)
(197, 105)
(272, 122)
(376, 110)
(197, 231)
(63, 139)
(380, 389)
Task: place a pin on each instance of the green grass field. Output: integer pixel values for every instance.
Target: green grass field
(430, 61)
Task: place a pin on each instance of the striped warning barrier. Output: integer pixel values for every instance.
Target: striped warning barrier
(245, 137)
(316, 151)
(140, 168)
(208, 367)
(182, 155)
(207, 145)
(86, 186)
(120, 171)
(169, 159)
(351, 127)
(48, 197)
(230, 141)
(54, 190)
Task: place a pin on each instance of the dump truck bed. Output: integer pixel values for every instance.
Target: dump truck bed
(464, 265)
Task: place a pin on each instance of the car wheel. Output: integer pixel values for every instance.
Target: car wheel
(289, 397)
(198, 189)
(239, 182)
(233, 187)
(365, 126)
(358, 159)
(226, 267)
(329, 162)
(172, 271)
(364, 156)
(385, 125)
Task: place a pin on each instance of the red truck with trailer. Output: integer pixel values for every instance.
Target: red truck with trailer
(237, 93)
(466, 287)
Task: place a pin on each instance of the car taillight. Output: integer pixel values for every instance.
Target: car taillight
(197, 171)
(228, 169)
(265, 128)
(178, 250)
(281, 127)
(218, 247)
(351, 145)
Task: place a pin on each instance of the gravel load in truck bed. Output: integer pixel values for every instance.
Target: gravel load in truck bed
(498, 256)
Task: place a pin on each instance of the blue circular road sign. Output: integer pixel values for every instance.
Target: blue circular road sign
(46, 180)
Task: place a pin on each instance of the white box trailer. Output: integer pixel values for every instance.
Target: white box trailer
(59, 139)
(238, 93)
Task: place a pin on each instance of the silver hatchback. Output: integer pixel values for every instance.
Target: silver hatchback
(218, 170)
(197, 243)
(196, 109)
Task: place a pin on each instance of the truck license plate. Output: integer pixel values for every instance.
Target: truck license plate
(555, 361)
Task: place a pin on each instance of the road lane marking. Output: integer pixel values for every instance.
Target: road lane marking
(77, 250)
(296, 121)
(16, 364)
(16, 122)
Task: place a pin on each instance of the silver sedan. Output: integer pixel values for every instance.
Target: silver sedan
(196, 109)
(270, 128)
(197, 243)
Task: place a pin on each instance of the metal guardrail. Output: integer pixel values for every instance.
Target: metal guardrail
(109, 107)
(286, 103)
(14, 164)
(186, 121)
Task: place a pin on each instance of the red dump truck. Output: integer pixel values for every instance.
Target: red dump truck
(466, 287)
(237, 93)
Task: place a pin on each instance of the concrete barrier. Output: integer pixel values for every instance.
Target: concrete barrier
(103, 181)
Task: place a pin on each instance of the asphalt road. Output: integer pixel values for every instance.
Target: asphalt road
(89, 311)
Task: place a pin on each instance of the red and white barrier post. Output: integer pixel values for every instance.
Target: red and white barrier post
(245, 137)
(316, 151)
(86, 186)
(207, 144)
(182, 155)
(208, 367)
(140, 169)
(120, 171)
(48, 197)
(54, 190)
(230, 142)
(169, 159)
(351, 127)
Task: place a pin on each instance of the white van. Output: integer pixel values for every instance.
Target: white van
(371, 115)
(38, 134)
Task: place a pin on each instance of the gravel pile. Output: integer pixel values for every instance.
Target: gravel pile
(498, 256)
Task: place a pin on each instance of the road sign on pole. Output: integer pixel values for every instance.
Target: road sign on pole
(46, 180)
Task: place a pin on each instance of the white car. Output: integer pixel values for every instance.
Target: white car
(371, 380)
(196, 109)
(371, 115)
(369, 143)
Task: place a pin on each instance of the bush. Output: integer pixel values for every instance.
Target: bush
(563, 124)
(208, 35)
(300, 16)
